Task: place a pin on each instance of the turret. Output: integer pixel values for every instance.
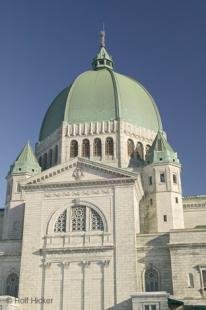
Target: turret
(161, 208)
(24, 167)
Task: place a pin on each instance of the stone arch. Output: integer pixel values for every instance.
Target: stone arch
(109, 146)
(147, 148)
(140, 150)
(130, 148)
(73, 148)
(151, 279)
(55, 215)
(12, 283)
(97, 147)
(86, 148)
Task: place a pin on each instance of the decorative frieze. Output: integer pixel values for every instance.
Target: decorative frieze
(194, 205)
(87, 192)
(89, 129)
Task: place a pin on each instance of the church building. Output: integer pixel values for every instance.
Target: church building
(94, 217)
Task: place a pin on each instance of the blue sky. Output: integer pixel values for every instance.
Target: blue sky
(46, 44)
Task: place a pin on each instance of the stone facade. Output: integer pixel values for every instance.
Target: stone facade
(95, 219)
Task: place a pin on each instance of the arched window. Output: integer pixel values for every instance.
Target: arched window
(139, 150)
(79, 218)
(50, 158)
(96, 221)
(60, 225)
(12, 285)
(40, 161)
(130, 148)
(151, 280)
(85, 148)
(73, 149)
(56, 154)
(109, 147)
(44, 161)
(82, 218)
(97, 147)
(147, 150)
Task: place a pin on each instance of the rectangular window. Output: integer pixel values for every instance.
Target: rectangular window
(174, 176)
(162, 177)
(165, 218)
(150, 307)
(204, 279)
(176, 199)
(150, 180)
(151, 202)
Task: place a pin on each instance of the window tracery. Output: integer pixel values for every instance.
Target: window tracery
(151, 280)
(96, 221)
(82, 218)
(60, 225)
(79, 218)
(12, 285)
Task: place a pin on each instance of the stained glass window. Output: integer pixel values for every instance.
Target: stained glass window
(60, 225)
(96, 221)
(79, 218)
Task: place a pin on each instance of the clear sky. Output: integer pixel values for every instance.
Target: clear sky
(45, 44)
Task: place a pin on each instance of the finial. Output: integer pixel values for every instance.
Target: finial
(102, 37)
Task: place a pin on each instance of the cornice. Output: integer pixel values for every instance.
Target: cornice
(74, 184)
(85, 249)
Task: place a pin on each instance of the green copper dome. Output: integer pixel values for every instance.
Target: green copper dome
(100, 95)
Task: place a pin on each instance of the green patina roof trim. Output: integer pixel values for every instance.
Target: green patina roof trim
(161, 151)
(102, 60)
(26, 162)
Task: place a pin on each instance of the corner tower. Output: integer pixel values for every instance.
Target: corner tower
(25, 166)
(161, 207)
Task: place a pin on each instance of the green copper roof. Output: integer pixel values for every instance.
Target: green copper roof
(102, 95)
(26, 162)
(161, 151)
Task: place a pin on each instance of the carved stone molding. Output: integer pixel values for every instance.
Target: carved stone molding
(77, 193)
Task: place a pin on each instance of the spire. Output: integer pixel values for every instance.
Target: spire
(102, 59)
(102, 37)
(26, 162)
(161, 151)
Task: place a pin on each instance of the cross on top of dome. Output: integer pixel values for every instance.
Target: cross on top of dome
(102, 59)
